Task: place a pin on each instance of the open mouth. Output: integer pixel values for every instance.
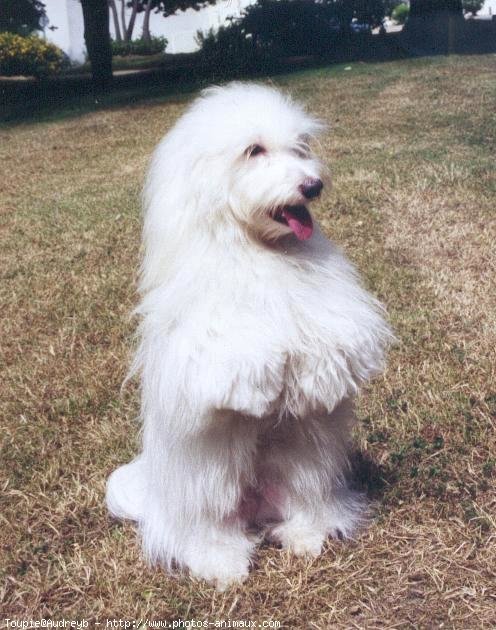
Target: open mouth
(297, 218)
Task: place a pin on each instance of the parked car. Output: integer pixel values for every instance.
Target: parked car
(360, 27)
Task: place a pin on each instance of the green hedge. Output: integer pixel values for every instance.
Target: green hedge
(139, 47)
(30, 56)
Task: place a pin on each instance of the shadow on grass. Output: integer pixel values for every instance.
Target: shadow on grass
(370, 477)
(73, 95)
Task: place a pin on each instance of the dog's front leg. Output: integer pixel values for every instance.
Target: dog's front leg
(195, 487)
(307, 458)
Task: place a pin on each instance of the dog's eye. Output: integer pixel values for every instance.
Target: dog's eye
(254, 150)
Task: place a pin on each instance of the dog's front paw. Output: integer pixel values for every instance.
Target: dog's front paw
(246, 382)
(299, 537)
(346, 514)
(224, 561)
(306, 531)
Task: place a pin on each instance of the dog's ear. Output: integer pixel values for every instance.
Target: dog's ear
(167, 207)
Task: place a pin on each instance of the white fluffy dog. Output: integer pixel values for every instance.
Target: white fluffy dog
(255, 336)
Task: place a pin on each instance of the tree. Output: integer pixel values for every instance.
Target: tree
(472, 6)
(171, 7)
(166, 8)
(124, 30)
(130, 26)
(22, 16)
(367, 11)
(146, 35)
(115, 17)
(400, 13)
(390, 5)
(434, 26)
(278, 28)
(97, 38)
(424, 8)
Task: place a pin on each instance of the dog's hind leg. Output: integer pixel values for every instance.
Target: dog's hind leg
(306, 459)
(126, 488)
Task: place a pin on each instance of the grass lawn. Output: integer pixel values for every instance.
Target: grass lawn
(138, 62)
(411, 147)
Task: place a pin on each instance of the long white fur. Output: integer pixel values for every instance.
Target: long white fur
(252, 345)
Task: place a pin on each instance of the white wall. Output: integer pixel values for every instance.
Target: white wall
(67, 32)
(488, 9)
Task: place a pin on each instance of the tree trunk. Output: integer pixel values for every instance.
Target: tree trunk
(420, 8)
(132, 19)
(123, 17)
(434, 27)
(115, 17)
(146, 21)
(97, 37)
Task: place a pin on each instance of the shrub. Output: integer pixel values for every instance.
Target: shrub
(153, 46)
(292, 27)
(22, 17)
(472, 6)
(390, 5)
(29, 56)
(226, 52)
(267, 31)
(400, 13)
(271, 30)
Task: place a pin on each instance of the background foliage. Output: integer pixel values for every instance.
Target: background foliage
(272, 29)
(28, 56)
(472, 6)
(400, 13)
(22, 16)
(140, 46)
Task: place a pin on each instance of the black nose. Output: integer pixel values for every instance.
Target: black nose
(311, 188)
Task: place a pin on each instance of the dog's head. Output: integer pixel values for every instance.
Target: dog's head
(239, 158)
(259, 141)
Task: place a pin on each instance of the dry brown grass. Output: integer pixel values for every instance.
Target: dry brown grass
(412, 152)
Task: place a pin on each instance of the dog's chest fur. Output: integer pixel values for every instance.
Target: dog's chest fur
(292, 333)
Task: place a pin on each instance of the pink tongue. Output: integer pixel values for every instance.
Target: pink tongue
(299, 220)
